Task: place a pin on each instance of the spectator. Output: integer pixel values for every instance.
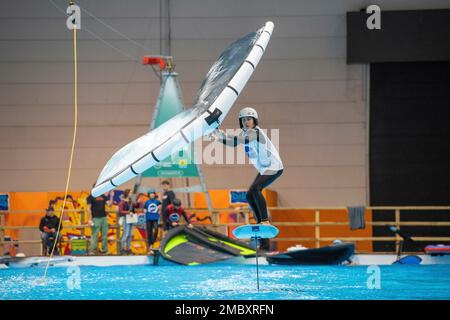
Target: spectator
(167, 199)
(140, 202)
(173, 213)
(126, 211)
(98, 220)
(152, 208)
(49, 231)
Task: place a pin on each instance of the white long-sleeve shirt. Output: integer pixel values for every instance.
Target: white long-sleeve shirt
(259, 149)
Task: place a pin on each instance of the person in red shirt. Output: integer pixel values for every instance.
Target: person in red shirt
(173, 213)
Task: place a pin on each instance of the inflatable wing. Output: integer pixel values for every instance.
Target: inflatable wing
(220, 89)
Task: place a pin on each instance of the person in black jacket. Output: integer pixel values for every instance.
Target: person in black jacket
(49, 227)
(167, 199)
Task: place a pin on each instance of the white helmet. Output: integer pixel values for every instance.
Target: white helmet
(248, 112)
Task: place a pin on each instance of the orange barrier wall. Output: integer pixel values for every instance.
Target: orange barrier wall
(220, 199)
(325, 231)
(76, 201)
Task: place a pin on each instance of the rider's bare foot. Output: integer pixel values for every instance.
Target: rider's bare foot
(266, 223)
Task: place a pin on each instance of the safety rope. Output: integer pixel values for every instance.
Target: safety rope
(71, 152)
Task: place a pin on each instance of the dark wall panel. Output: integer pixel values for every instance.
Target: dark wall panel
(410, 141)
(416, 35)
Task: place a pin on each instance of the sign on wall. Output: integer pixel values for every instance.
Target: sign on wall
(4, 202)
(238, 196)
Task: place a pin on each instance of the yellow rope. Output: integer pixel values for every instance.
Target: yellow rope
(73, 148)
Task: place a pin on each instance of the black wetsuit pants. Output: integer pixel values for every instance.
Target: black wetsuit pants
(255, 198)
(152, 232)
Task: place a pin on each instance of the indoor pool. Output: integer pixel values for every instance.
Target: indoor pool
(228, 282)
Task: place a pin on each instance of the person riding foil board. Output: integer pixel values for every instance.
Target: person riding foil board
(261, 153)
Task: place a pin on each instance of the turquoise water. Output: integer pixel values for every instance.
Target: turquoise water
(227, 282)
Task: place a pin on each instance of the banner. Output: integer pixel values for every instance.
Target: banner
(170, 103)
